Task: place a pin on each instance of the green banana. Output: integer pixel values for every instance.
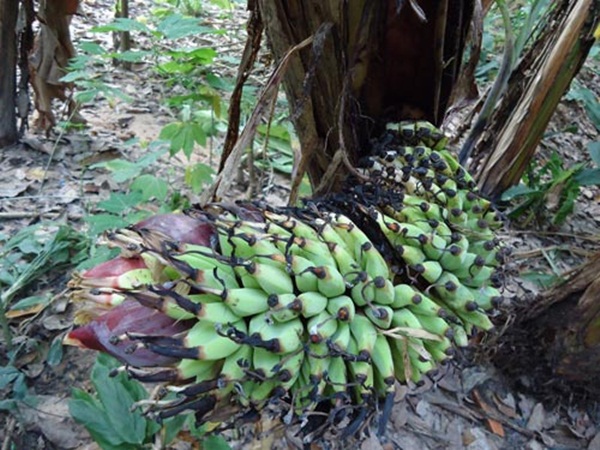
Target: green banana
(339, 341)
(336, 376)
(330, 282)
(405, 295)
(380, 315)
(383, 361)
(284, 307)
(244, 302)
(342, 308)
(311, 303)
(435, 325)
(271, 279)
(383, 291)
(201, 342)
(277, 337)
(364, 333)
(321, 327)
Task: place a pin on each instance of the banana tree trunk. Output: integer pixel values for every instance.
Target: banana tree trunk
(8, 54)
(534, 90)
(370, 62)
(561, 334)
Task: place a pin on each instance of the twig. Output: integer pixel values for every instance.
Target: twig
(255, 27)
(590, 237)
(225, 177)
(498, 88)
(10, 427)
(539, 251)
(33, 214)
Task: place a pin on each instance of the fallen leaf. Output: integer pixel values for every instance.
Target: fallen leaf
(536, 419)
(479, 440)
(12, 189)
(494, 426)
(473, 377)
(506, 406)
(68, 194)
(56, 322)
(37, 174)
(594, 443)
(534, 445)
(33, 370)
(371, 443)
(51, 417)
(16, 313)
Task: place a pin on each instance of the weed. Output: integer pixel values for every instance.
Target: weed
(552, 190)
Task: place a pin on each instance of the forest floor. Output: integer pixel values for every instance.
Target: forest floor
(47, 180)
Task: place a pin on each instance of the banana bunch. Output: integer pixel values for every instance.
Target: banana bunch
(333, 303)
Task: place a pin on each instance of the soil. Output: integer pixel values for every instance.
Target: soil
(472, 404)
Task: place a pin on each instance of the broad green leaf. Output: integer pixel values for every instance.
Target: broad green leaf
(22, 235)
(6, 277)
(30, 302)
(275, 130)
(89, 412)
(172, 67)
(55, 353)
(8, 374)
(93, 48)
(172, 427)
(198, 56)
(185, 136)
(117, 401)
(517, 191)
(594, 150)
(214, 442)
(119, 202)
(150, 186)
(19, 388)
(8, 405)
(197, 176)
(176, 26)
(223, 4)
(170, 131)
(131, 55)
(137, 215)
(122, 170)
(98, 255)
(150, 158)
(198, 133)
(102, 222)
(87, 96)
(588, 177)
(121, 24)
(132, 386)
(30, 246)
(76, 75)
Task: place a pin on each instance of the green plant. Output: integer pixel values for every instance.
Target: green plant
(13, 385)
(112, 413)
(108, 414)
(83, 72)
(273, 148)
(552, 190)
(588, 99)
(30, 254)
(525, 23)
(25, 258)
(184, 70)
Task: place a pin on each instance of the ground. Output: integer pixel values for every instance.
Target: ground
(469, 405)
